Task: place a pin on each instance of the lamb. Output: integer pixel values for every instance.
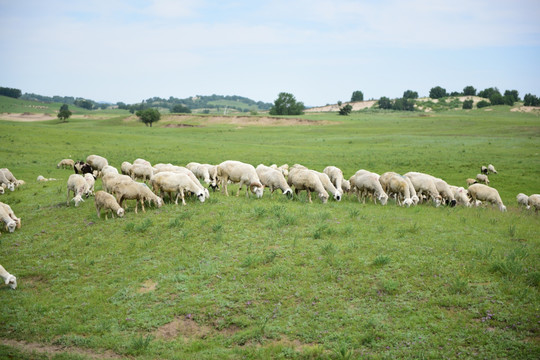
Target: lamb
(274, 179)
(110, 180)
(141, 171)
(66, 164)
(97, 163)
(461, 195)
(78, 185)
(483, 170)
(485, 193)
(9, 279)
(125, 168)
(394, 184)
(90, 180)
(8, 217)
(135, 191)
(175, 182)
(241, 173)
(107, 202)
(523, 200)
(305, 179)
(336, 176)
(108, 169)
(482, 179)
(424, 185)
(470, 181)
(534, 201)
(491, 169)
(368, 183)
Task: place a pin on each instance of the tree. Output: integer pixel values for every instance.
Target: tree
(530, 100)
(496, 99)
(487, 93)
(357, 96)
(64, 113)
(469, 91)
(467, 104)
(286, 104)
(403, 104)
(85, 104)
(180, 109)
(148, 116)
(346, 110)
(437, 92)
(482, 103)
(385, 103)
(514, 94)
(10, 92)
(409, 94)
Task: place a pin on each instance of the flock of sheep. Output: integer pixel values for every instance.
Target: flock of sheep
(178, 181)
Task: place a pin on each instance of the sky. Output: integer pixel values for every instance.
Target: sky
(320, 51)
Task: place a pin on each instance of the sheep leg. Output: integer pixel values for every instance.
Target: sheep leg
(309, 196)
(67, 200)
(182, 195)
(98, 211)
(142, 204)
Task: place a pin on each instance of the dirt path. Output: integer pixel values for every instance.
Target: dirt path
(26, 117)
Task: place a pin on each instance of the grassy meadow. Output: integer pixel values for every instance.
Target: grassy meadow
(239, 277)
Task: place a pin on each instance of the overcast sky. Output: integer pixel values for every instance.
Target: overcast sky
(320, 51)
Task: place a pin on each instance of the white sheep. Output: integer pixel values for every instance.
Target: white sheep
(412, 192)
(66, 164)
(461, 195)
(304, 179)
(336, 176)
(424, 185)
(200, 171)
(481, 178)
(395, 185)
(141, 171)
(142, 162)
(485, 193)
(91, 181)
(77, 184)
(41, 178)
(108, 169)
(125, 168)
(523, 200)
(107, 202)
(241, 173)
(177, 183)
(534, 201)
(97, 163)
(6, 183)
(7, 215)
(284, 169)
(110, 180)
(365, 184)
(444, 191)
(183, 170)
(8, 278)
(470, 181)
(328, 186)
(491, 169)
(273, 179)
(1, 189)
(483, 170)
(135, 191)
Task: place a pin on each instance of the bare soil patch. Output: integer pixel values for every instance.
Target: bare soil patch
(29, 347)
(357, 105)
(200, 120)
(181, 326)
(26, 117)
(526, 109)
(147, 286)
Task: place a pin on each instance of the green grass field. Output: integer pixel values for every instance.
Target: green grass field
(239, 277)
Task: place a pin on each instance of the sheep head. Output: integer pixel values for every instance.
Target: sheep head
(323, 197)
(415, 199)
(77, 200)
(201, 196)
(11, 225)
(257, 189)
(383, 198)
(408, 202)
(11, 281)
(288, 193)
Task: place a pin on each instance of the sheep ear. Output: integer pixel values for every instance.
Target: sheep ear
(7, 280)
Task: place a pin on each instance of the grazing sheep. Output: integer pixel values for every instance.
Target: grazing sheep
(328, 186)
(97, 163)
(5, 183)
(412, 192)
(470, 181)
(141, 171)
(482, 179)
(483, 170)
(81, 167)
(395, 185)
(66, 164)
(461, 195)
(142, 162)
(180, 169)
(304, 179)
(9, 279)
(445, 192)
(212, 171)
(274, 179)
(368, 184)
(125, 168)
(491, 169)
(110, 180)
(424, 185)
(1, 190)
(534, 201)
(41, 178)
(91, 181)
(77, 184)
(8, 217)
(284, 169)
(523, 200)
(108, 169)
(108, 203)
(485, 193)
(336, 176)
(135, 191)
(241, 173)
(200, 171)
(178, 183)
